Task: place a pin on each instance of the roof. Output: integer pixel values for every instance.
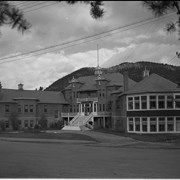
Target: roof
(10, 95)
(153, 83)
(113, 79)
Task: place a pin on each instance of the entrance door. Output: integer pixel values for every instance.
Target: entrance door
(88, 109)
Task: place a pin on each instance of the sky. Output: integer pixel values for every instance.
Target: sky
(57, 23)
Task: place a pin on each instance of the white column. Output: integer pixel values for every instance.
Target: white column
(81, 107)
(93, 107)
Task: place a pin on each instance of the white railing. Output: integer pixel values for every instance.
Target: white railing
(68, 114)
(79, 100)
(74, 119)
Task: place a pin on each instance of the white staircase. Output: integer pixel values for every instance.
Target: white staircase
(79, 122)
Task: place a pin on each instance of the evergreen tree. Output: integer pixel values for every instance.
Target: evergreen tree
(159, 8)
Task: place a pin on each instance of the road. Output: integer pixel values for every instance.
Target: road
(62, 160)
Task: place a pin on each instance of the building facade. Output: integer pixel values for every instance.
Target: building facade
(151, 106)
(90, 101)
(29, 106)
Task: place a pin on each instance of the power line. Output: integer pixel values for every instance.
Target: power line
(148, 30)
(171, 59)
(33, 5)
(92, 36)
(41, 7)
(24, 2)
(29, 4)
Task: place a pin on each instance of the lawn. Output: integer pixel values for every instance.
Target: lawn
(43, 135)
(174, 138)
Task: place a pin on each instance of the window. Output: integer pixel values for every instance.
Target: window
(177, 123)
(118, 104)
(131, 125)
(31, 108)
(7, 108)
(170, 124)
(109, 105)
(56, 112)
(161, 102)
(169, 102)
(153, 125)
(130, 103)
(103, 94)
(161, 124)
(26, 108)
(45, 108)
(26, 123)
(19, 122)
(152, 101)
(19, 108)
(99, 93)
(31, 123)
(99, 107)
(137, 124)
(143, 102)
(104, 109)
(177, 101)
(7, 124)
(137, 102)
(144, 124)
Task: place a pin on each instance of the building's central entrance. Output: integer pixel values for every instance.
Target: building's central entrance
(87, 108)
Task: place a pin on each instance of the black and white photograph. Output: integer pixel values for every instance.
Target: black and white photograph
(90, 89)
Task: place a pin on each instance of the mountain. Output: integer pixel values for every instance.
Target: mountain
(135, 71)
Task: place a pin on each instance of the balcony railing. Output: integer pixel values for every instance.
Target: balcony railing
(79, 100)
(104, 113)
(68, 114)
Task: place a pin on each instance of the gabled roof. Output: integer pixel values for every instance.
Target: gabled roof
(11, 95)
(112, 79)
(153, 84)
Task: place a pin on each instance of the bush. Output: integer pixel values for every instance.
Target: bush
(57, 125)
(13, 118)
(3, 125)
(42, 122)
(36, 126)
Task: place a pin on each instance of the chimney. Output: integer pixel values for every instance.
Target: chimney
(125, 80)
(20, 86)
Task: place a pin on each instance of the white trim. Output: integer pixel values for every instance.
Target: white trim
(148, 101)
(149, 124)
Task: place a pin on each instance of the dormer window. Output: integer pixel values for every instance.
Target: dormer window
(7, 108)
